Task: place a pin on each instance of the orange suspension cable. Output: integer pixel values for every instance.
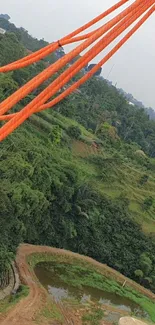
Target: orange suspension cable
(48, 72)
(97, 66)
(34, 57)
(93, 70)
(29, 108)
(77, 66)
(135, 10)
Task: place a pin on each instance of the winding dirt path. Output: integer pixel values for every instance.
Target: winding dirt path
(24, 313)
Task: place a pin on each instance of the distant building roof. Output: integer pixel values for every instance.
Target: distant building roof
(2, 31)
(132, 104)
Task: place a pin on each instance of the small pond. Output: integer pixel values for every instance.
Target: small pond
(52, 280)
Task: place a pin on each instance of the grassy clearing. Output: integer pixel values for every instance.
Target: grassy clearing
(124, 177)
(64, 122)
(12, 300)
(93, 318)
(76, 272)
(50, 311)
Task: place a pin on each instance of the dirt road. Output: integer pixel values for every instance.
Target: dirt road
(24, 313)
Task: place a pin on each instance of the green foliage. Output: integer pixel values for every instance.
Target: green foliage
(148, 202)
(139, 274)
(56, 134)
(5, 259)
(12, 300)
(7, 85)
(74, 131)
(45, 188)
(22, 292)
(144, 179)
(94, 317)
(51, 196)
(101, 104)
(51, 311)
(10, 49)
(107, 132)
(146, 264)
(80, 274)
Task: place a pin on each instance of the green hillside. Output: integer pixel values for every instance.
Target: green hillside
(80, 176)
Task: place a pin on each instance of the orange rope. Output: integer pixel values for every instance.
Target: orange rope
(48, 72)
(93, 70)
(123, 21)
(45, 95)
(34, 57)
(97, 66)
(70, 68)
(76, 67)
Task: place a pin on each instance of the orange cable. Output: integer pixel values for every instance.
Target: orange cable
(97, 66)
(52, 47)
(77, 66)
(70, 69)
(34, 83)
(48, 72)
(36, 100)
(93, 70)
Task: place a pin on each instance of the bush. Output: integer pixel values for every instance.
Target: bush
(144, 179)
(148, 202)
(74, 131)
(56, 134)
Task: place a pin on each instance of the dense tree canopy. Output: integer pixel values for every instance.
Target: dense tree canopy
(50, 195)
(100, 103)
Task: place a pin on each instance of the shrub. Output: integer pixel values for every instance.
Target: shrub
(148, 202)
(74, 131)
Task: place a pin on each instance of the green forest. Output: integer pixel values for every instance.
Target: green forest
(80, 176)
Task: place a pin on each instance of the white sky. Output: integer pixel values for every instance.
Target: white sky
(133, 67)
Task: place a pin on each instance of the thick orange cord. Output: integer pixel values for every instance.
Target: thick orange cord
(128, 16)
(109, 40)
(48, 72)
(93, 70)
(70, 68)
(34, 57)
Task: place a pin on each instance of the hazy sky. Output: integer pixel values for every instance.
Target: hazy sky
(133, 67)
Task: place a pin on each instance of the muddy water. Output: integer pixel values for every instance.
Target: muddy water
(53, 282)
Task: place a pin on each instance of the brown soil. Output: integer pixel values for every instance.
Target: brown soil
(82, 149)
(25, 312)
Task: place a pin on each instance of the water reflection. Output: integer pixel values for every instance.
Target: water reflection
(51, 280)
